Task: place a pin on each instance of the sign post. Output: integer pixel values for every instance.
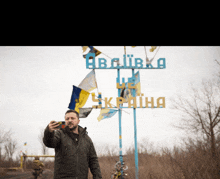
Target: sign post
(136, 63)
(135, 134)
(119, 121)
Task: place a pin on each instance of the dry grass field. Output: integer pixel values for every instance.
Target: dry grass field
(194, 162)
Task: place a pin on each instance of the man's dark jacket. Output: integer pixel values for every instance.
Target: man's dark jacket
(72, 160)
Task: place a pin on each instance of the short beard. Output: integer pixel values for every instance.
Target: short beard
(73, 128)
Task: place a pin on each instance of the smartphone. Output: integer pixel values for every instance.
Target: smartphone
(62, 124)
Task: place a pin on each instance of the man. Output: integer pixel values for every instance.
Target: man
(38, 167)
(74, 149)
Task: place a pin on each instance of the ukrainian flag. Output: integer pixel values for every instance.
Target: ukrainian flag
(127, 93)
(137, 83)
(92, 50)
(84, 48)
(78, 98)
(89, 82)
(106, 113)
(153, 48)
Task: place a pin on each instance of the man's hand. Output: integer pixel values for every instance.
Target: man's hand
(53, 126)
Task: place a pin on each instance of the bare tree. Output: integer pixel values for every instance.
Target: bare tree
(4, 135)
(10, 148)
(201, 113)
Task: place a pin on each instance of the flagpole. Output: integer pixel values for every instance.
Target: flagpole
(145, 51)
(155, 54)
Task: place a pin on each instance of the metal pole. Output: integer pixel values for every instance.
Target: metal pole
(135, 136)
(21, 166)
(120, 133)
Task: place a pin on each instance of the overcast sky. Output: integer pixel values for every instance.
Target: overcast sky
(36, 86)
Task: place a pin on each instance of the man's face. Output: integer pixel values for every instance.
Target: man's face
(71, 120)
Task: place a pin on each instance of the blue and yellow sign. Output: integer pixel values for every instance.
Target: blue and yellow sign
(133, 63)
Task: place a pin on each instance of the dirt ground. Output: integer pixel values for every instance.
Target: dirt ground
(47, 174)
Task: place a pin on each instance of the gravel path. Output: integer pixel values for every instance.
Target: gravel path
(47, 174)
